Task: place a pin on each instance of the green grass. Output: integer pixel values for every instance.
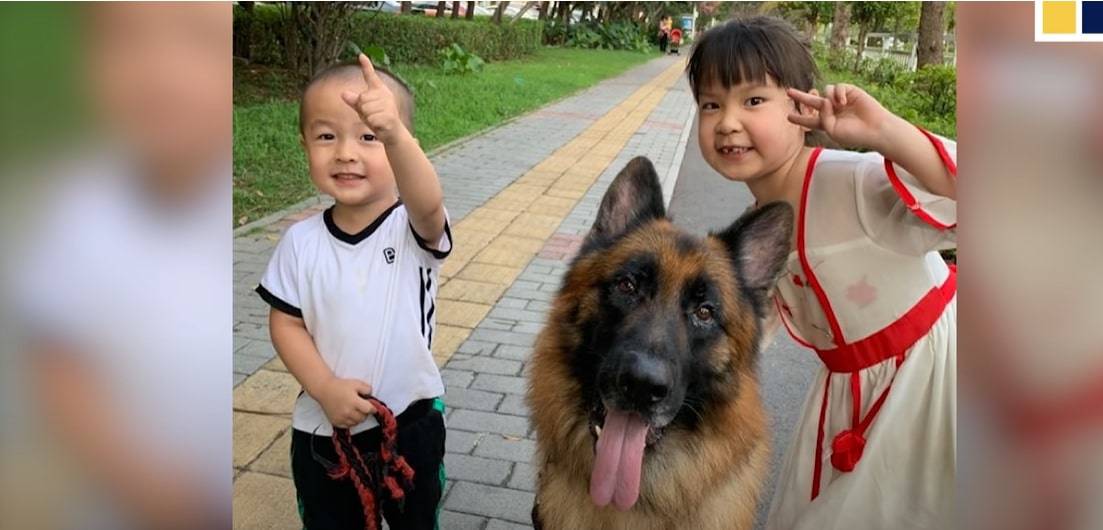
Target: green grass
(270, 170)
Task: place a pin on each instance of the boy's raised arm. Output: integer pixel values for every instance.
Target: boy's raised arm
(417, 181)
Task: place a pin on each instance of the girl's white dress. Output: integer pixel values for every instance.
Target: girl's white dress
(867, 291)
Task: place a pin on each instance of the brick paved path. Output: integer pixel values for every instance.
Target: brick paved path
(520, 198)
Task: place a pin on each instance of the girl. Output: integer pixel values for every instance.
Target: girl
(864, 286)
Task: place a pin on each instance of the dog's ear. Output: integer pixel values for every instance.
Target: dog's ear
(759, 245)
(634, 197)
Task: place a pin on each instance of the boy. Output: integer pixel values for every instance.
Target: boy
(352, 293)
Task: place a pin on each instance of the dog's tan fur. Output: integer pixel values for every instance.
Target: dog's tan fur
(702, 480)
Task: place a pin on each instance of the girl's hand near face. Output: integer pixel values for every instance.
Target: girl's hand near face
(848, 114)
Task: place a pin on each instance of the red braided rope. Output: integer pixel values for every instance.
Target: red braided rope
(398, 476)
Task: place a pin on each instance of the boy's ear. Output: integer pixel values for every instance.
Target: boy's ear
(302, 140)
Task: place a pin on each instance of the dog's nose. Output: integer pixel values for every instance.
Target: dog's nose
(645, 381)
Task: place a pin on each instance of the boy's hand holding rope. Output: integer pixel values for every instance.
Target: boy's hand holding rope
(372, 475)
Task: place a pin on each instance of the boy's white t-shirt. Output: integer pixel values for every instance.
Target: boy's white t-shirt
(369, 303)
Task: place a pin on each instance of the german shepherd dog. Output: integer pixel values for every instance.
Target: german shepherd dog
(642, 387)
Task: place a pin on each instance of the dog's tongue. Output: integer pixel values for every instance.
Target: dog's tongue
(619, 458)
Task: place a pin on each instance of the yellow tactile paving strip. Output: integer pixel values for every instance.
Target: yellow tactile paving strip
(497, 240)
(492, 245)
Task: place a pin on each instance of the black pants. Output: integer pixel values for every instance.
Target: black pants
(663, 39)
(326, 503)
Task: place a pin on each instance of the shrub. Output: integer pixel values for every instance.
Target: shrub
(936, 86)
(414, 39)
(406, 38)
(886, 71)
(456, 60)
(592, 35)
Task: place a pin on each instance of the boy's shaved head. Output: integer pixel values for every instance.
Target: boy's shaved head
(348, 72)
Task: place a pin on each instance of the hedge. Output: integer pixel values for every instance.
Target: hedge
(405, 38)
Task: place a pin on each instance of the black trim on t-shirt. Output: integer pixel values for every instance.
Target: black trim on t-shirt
(421, 242)
(353, 239)
(277, 303)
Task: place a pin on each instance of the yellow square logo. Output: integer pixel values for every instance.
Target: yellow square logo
(1058, 17)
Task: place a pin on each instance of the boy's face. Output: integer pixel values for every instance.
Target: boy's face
(744, 132)
(346, 161)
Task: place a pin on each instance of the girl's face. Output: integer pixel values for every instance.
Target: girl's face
(744, 132)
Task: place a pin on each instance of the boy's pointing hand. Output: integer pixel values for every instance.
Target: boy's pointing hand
(376, 105)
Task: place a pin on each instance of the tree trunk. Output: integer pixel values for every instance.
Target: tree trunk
(243, 40)
(930, 34)
(498, 12)
(315, 34)
(810, 31)
(840, 26)
(405, 7)
(565, 13)
(470, 14)
(455, 10)
(862, 33)
(544, 10)
(441, 8)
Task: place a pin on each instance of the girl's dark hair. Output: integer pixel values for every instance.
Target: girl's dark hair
(749, 50)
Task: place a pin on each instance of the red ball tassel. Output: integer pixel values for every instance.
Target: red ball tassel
(846, 450)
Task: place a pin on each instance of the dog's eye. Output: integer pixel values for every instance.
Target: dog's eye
(703, 313)
(626, 285)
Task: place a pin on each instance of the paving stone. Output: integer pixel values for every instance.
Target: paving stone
(517, 353)
(498, 524)
(500, 383)
(253, 433)
(485, 272)
(528, 327)
(476, 469)
(512, 303)
(503, 337)
(456, 378)
(491, 501)
(467, 398)
(276, 460)
(447, 338)
(462, 314)
(506, 448)
(264, 501)
(460, 441)
(499, 324)
(523, 478)
(482, 292)
(521, 315)
(478, 421)
(514, 404)
(476, 347)
(267, 392)
(450, 520)
(276, 364)
(247, 364)
(488, 365)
